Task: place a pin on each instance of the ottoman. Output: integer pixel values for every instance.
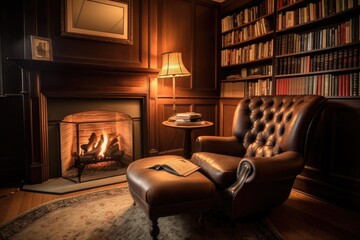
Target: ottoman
(160, 193)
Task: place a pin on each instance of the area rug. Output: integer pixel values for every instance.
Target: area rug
(110, 214)
(63, 185)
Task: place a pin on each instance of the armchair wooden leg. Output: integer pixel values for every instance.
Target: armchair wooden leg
(154, 232)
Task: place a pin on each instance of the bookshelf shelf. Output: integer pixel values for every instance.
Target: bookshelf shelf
(248, 23)
(257, 61)
(297, 21)
(318, 72)
(250, 40)
(326, 49)
(255, 77)
(290, 6)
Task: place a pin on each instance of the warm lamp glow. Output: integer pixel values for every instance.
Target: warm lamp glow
(173, 66)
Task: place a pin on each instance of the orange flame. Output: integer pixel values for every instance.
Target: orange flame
(104, 144)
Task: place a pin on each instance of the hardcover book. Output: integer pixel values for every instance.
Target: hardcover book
(180, 167)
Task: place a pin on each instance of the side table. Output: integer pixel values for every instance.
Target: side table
(187, 130)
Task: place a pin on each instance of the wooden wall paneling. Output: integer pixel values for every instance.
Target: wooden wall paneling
(343, 163)
(153, 23)
(196, 37)
(175, 35)
(12, 45)
(85, 84)
(346, 137)
(209, 112)
(333, 174)
(12, 165)
(152, 117)
(206, 34)
(227, 110)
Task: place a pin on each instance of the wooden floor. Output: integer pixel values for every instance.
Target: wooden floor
(300, 217)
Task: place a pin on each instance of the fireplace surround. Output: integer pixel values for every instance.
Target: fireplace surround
(51, 86)
(73, 122)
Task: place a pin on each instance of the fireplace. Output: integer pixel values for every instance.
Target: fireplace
(95, 144)
(54, 89)
(91, 139)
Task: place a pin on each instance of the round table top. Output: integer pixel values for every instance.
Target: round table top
(197, 125)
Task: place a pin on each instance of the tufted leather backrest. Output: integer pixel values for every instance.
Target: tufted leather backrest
(269, 125)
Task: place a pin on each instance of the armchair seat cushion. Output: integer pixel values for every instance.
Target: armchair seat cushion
(220, 169)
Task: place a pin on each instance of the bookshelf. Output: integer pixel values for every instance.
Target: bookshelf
(291, 47)
(316, 50)
(247, 50)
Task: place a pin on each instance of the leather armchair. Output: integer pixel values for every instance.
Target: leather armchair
(254, 170)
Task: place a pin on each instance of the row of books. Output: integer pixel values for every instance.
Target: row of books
(339, 59)
(344, 33)
(242, 89)
(325, 85)
(247, 15)
(248, 32)
(252, 71)
(311, 12)
(246, 54)
(334, 4)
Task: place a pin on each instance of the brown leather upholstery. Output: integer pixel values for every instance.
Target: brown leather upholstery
(256, 167)
(160, 193)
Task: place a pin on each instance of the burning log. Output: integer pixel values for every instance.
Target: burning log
(92, 152)
(112, 147)
(92, 141)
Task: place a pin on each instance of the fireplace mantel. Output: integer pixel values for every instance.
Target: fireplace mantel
(69, 80)
(39, 65)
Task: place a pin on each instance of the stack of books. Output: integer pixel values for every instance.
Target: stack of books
(188, 119)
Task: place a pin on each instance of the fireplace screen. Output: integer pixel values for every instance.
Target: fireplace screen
(95, 144)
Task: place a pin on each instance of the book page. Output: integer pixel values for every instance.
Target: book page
(179, 167)
(182, 167)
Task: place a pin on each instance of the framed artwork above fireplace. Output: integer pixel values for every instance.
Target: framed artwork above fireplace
(102, 20)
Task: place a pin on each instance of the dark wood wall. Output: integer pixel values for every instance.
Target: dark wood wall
(12, 146)
(188, 26)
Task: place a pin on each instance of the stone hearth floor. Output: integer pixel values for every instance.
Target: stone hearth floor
(62, 185)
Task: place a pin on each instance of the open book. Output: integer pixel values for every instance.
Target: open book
(180, 167)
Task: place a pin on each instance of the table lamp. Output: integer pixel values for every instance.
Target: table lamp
(173, 66)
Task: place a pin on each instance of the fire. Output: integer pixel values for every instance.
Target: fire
(105, 140)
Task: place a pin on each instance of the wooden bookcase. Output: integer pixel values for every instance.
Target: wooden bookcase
(247, 50)
(292, 47)
(316, 50)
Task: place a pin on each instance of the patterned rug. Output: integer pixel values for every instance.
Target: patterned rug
(109, 214)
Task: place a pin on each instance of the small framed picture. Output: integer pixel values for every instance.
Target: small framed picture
(41, 48)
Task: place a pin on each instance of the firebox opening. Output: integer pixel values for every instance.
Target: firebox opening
(72, 121)
(95, 144)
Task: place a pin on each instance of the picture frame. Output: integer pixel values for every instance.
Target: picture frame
(101, 20)
(41, 48)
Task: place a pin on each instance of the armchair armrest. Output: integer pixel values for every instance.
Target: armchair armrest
(260, 169)
(221, 145)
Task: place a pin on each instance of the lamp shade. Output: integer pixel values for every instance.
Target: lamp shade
(172, 66)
